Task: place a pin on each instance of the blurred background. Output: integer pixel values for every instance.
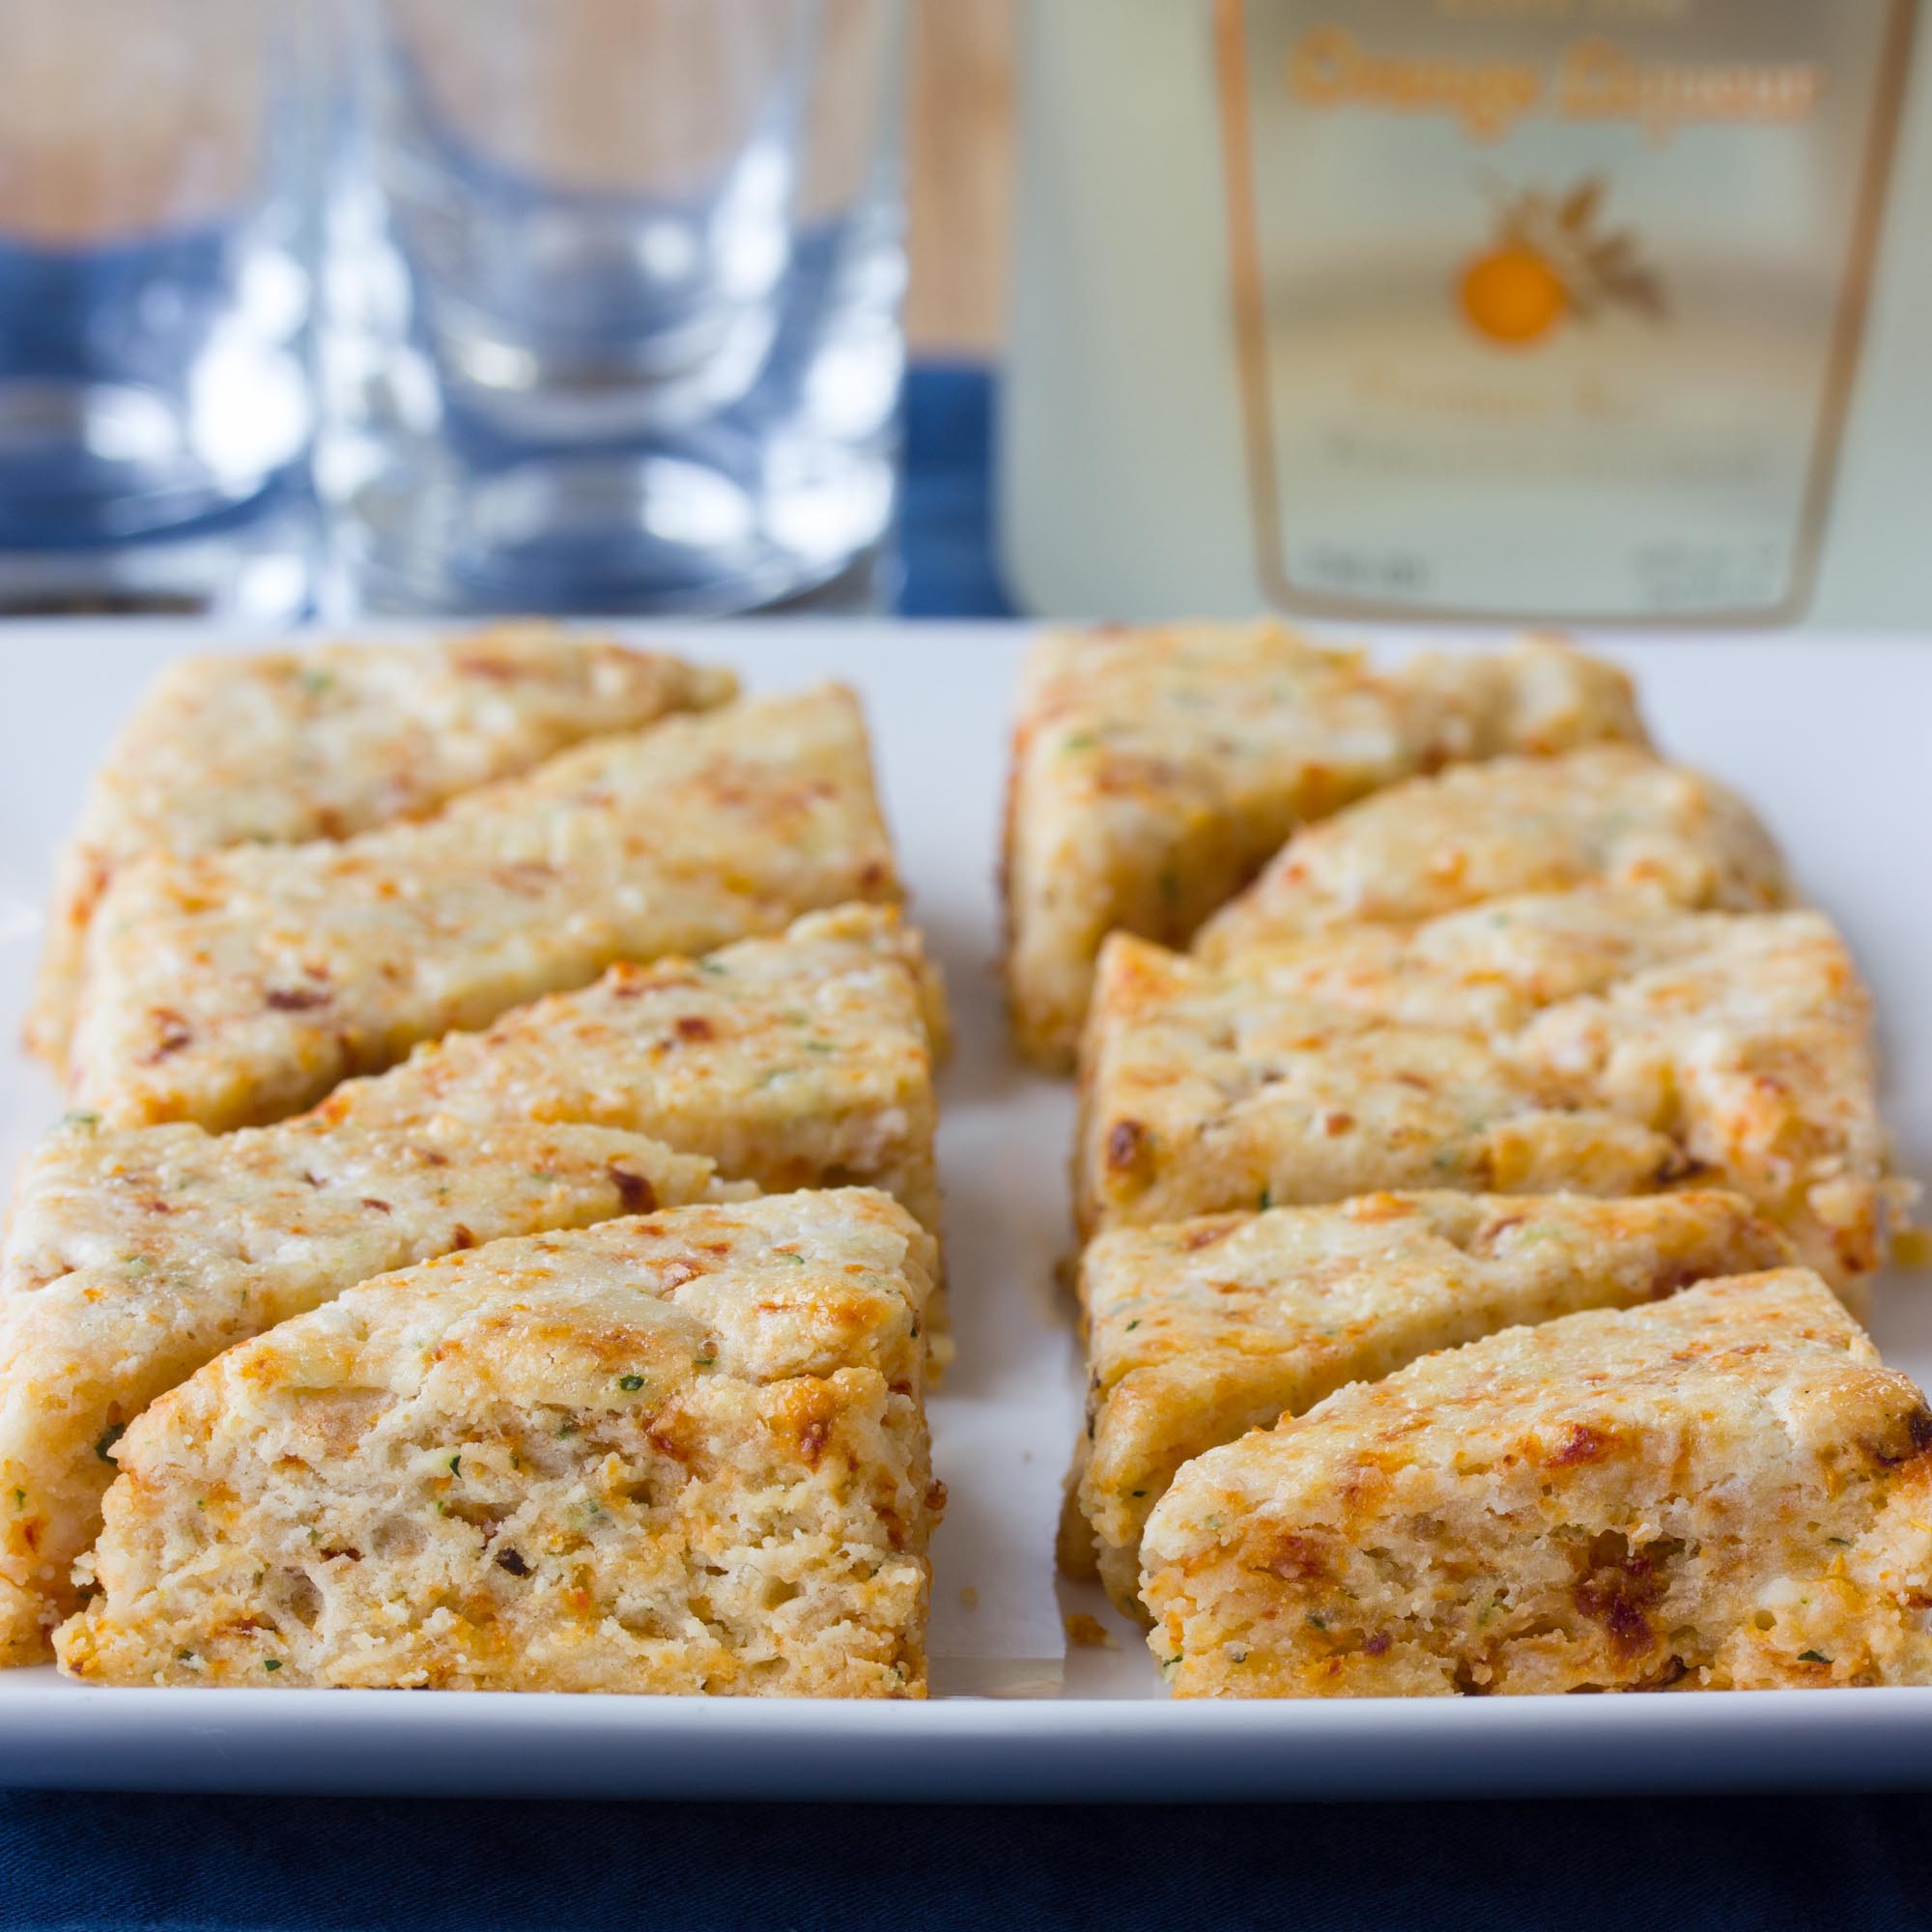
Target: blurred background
(1606, 312)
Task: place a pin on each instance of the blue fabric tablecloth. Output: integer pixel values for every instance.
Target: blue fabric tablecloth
(111, 1863)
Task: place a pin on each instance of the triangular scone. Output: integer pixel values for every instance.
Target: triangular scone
(1155, 770)
(281, 747)
(133, 1258)
(238, 986)
(1592, 1042)
(686, 1453)
(1724, 1490)
(801, 1061)
(1201, 1330)
(1606, 815)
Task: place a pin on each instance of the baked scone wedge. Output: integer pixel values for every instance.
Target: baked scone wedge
(1155, 770)
(800, 1061)
(1724, 1490)
(1201, 1330)
(1597, 1042)
(1606, 815)
(685, 1453)
(135, 1258)
(234, 987)
(284, 746)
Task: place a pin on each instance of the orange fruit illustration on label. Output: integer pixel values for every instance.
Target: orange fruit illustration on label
(1550, 262)
(1512, 294)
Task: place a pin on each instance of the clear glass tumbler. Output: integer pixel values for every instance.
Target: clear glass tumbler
(612, 310)
(157, 243)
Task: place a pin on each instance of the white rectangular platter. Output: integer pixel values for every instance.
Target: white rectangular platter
(1829, 738)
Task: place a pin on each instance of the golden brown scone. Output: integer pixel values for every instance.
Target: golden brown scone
(133, 1258)
(1201, 1330)
(235, 987)
(1609, 815)
(1595, 1042)
(800, 1061)
(1724, 1491)
(1155, 770)
(288, 746)
(686, 1453)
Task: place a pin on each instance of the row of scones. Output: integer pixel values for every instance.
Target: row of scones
(493, 1242)
(1477, 1216)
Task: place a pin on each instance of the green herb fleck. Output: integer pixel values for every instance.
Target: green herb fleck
(1078, 741)
(111, 1435)
(630, 1384)
(819, 1046)
(1265, 1200)
(787, 1254)
(1140, 1492)
(705, 1361)
(1844, 1542)
(456, 1466)
(568, 1429)
(1132, 1325)
(1317, 1622)
(1812, 1656)
(19, 1499)
(542, 1174)
(712, 967)
(80, 1119)
(137, 1263)
(271, 1663)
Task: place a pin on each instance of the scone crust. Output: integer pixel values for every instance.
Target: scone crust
(1722, 1491)
(801, 1060)
(282, 746)
(1155, 770)
(1201, 1330)
(684, 1453)
(1606, 815)
(235, 987)
(1601, 1043)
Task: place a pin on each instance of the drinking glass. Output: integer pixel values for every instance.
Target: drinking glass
(156, 236)
(612, 310)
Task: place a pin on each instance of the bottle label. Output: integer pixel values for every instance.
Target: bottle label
(1551, 308)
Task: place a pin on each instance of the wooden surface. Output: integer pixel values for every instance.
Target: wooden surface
(959, 173)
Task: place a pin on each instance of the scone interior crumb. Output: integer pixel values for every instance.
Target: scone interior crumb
(1724, 1490)
(680, 1454)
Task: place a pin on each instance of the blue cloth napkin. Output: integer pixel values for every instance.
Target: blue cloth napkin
(114, 1863)
(946, 535)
